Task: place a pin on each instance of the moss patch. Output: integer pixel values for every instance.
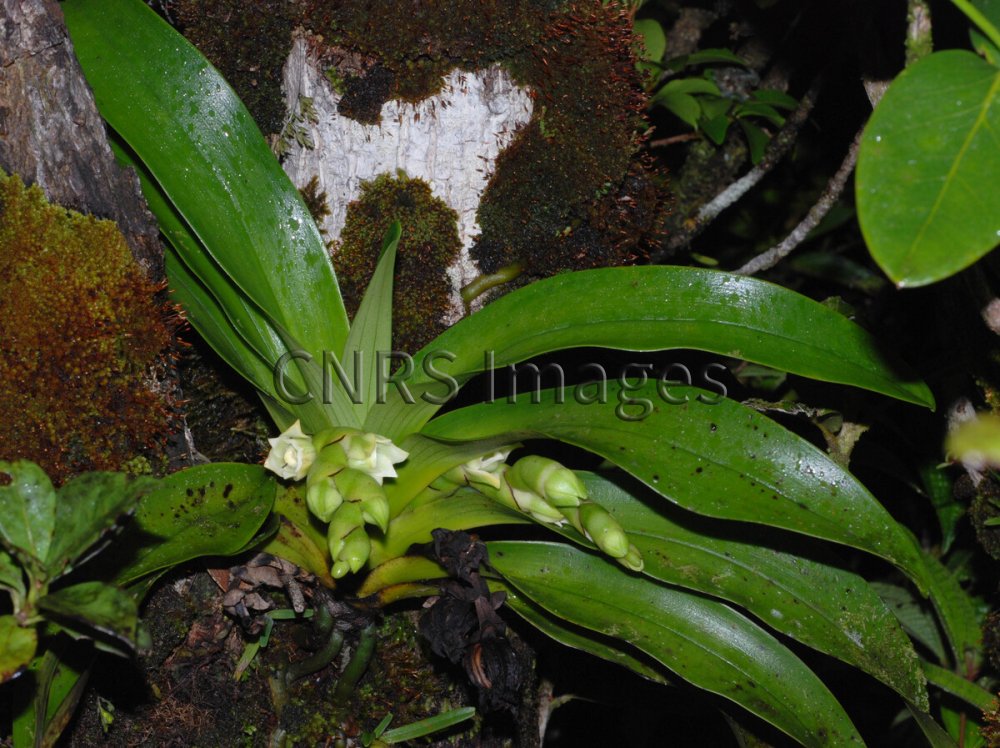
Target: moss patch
(82, 340)
(248, 41)
(429, 243)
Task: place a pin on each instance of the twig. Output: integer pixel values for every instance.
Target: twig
(827, 200)
(684, 137)
(919, 42)
(779, 146)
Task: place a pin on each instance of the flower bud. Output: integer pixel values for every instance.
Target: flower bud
(292, 453)
(356, 549)
(632, 560)
(330, 460)
(604, 530)
(556, 483)
(372, 454)
(486, 470)
(375, 511)
(323, 498)
(344, 521)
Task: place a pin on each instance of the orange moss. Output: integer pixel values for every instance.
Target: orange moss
(82, 340)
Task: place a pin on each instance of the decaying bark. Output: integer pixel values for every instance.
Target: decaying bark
(51, 133)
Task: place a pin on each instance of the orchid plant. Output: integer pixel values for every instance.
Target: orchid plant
(680, 563)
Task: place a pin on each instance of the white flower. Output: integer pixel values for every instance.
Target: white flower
(373, 454)
(291, 453)
(486, 469)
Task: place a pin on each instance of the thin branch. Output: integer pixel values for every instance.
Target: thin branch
(919, 41)
(779, 146)
(827, 200)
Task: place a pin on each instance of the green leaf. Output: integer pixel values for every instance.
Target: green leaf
(956, 685)
(757, 141)
(17, 647)
(464, 509)
(27, 510)
(915, 615)
(200, 144)
(300, 537)
(427, 726)
(12, 579)
(703, 641)
(710, 455)
(208, 510)
(705, 56)
(649, 309)
(88, 505)
(956, 612)
(926, 194)
(717, 128)
(371, 331)
(579, 638)
(985, 14)
(935, 734)
(653, 39)
(775, 98)
(688, 86)
(96, 606)
(759, 109)
(685, 106)
(61, 675)
(818, 604)
(985, 48)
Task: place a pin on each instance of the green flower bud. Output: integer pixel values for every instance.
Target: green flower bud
(329, 461)
(344, 521)
(375, 511)
(604, 530)
(556, 483)
(356, 549)
(340, 569)
(323, 498)
(632, 560)
(373, 454)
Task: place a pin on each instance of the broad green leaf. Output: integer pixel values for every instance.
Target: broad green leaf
(464, 509)
(707, 454)
(759, 109)
(927, 200)
(757, 140)
(371, 331)
(17, 647)
(775, 98)
(684, 105)
(703, 641)
(647, 309)
(717, 128)
(86, 507)
(817, 604)
(208, 510)
(94, 605)
(27, 510)
(591, 642)
(958, 686)
(984, 47)
(199, 142)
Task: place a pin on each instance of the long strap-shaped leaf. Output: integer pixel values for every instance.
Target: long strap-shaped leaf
(198, 141)
(657, 308)
(815, 603)
(703, 641)
(723, 460)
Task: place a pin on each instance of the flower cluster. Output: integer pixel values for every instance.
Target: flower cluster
(344, 469)
(548, 492)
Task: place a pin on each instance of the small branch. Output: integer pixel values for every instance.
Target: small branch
(919, 41)
(826, 201)
(779, 146)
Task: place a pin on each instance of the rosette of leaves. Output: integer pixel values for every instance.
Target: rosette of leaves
(46, 534)
(723, 504)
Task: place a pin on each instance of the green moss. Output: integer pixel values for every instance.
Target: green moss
(248, 41)
(82, 340)
(429, 244)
